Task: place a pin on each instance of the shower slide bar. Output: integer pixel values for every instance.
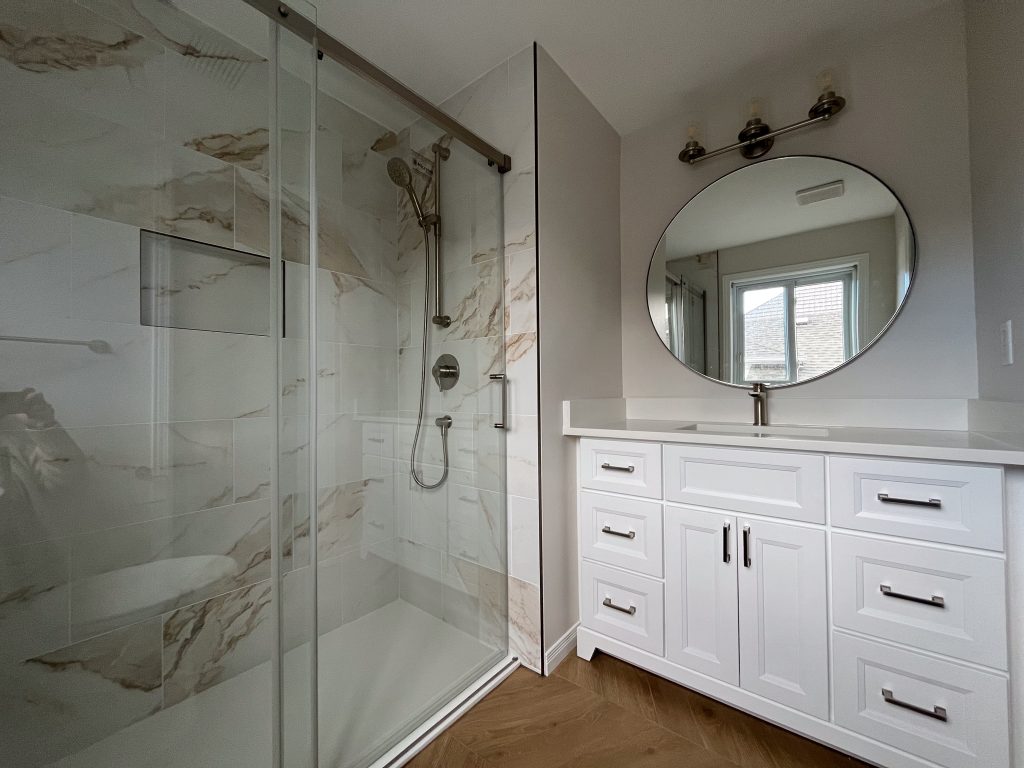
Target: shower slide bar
(298, 24)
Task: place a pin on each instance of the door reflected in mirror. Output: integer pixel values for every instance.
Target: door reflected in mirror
(781, 271)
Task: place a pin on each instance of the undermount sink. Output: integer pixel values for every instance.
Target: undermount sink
(747, 429)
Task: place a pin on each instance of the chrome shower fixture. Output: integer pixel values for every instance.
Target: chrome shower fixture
(757, 137)
(401, 177)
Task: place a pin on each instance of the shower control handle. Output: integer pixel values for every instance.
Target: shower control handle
(503, 424)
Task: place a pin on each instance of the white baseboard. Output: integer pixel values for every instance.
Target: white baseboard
(561, 650)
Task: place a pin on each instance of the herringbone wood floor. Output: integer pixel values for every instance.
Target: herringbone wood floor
(608, 714)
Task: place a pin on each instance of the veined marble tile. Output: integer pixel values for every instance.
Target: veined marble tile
(60, 702)
(369, 580)
(476, 601)
(355, 163)
(353, 242)
(252, 218)
(524, 622)
(190, 285)
(520, 209)
(477, 530)
(422, 513)
(421, 576)
(33, 599)
(209, 642)
(63, 52)
(136, 472)
(522, 456)
(218, 106)
(253, 454)
(356, 311)
(521, 292)
(350, 516)
(194, 196)
(58, 156)
(340, 457)
(203, 375)
(521, 359)
(524, 539)
(126, 574)
(471, 297)
(368, 379)
(35, 260)
(296, 609)
(111, 385)
(175, 29)
(104, 270)
(295, 376)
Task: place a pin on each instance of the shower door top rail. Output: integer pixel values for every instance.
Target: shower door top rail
(331, 46)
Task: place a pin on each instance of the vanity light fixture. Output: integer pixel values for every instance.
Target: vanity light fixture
(757, 137)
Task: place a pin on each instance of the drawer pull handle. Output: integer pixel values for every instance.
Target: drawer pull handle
(936, 712)
(612, 467)
(746, 546)
(627, 535)
(887, 499)
(726, 530)
(936, 600)
(609, 604)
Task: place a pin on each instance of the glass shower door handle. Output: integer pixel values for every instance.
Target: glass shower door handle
(503, 424)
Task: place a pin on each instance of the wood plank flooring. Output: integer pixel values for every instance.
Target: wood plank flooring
(608, 714)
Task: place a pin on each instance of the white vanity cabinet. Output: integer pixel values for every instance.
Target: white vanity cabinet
(858, 600)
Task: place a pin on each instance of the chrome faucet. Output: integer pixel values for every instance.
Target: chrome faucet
(760, 395)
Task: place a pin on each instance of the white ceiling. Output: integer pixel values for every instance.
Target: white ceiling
(634, 59)
(759, 203)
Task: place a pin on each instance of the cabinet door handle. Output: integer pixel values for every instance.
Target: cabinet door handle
(726, 530)
(936, 600)
(609, 604)
(887, 499)
(624, 534)
(614, 468)
(936, 712)
(746, 546)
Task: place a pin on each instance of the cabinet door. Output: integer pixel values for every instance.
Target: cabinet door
(783, 618)
(701, 622)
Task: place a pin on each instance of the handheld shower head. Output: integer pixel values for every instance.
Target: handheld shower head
(401, 176)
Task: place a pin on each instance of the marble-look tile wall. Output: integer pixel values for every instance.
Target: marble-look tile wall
(135, 517)
(499, 106)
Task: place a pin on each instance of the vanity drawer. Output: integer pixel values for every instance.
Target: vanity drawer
(951, 503)
(953, 603)
(621, 467)
(775, 483)
(623, 606)
(621, 531)
(941, 711)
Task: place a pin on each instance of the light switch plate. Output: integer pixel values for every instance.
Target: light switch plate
(1006, 342)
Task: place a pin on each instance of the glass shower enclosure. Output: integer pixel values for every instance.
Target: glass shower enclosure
(213, 286)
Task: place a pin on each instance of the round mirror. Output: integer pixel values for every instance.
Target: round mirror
(781, 271)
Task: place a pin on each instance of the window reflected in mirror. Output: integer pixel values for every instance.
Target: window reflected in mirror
(781, 271)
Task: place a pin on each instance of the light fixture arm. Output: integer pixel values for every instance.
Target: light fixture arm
(827, 105)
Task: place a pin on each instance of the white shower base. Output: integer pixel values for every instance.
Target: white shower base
(378, 675)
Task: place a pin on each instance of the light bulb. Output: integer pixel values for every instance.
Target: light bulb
(755, 109)
(693, 132)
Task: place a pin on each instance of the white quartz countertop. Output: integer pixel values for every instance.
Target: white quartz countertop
(978, 447)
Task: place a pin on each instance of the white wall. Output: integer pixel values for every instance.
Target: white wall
(995, 63)
(906, 122)
(578, 307)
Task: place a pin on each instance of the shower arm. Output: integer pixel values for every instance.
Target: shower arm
(441, 154)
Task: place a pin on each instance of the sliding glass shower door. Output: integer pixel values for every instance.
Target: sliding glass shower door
(212, 297)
